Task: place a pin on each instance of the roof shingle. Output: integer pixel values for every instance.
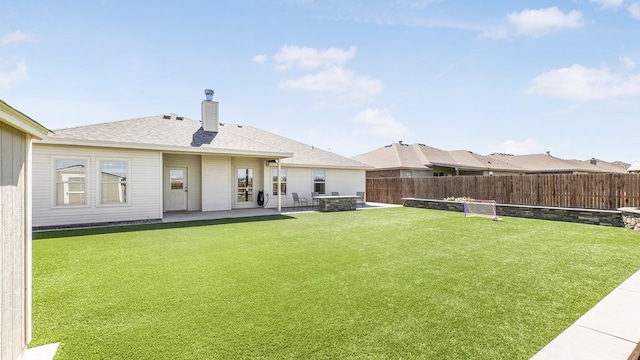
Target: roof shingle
(175, 133)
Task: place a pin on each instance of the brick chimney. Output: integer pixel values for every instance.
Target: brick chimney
(210, 112)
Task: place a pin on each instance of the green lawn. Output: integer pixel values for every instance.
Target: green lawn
(376, 284)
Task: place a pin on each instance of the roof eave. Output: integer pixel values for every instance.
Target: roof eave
(20, 121)
(345, 167)
(170, 148)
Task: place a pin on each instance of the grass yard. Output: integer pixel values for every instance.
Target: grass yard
(376, 284)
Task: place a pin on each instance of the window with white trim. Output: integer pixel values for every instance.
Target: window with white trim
(319, 180)
(70, 182)
(114, 177)
(245, 185)
(283, 181)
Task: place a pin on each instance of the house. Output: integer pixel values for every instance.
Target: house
(419, 160)
(634, 168)
(608, 167)
(16, 133)
(548, 164)
(141, 168)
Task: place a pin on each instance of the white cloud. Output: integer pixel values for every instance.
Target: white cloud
(528, 146)
(308, 58)
(535, 23)
(496, 33)
(581, 83)
(380, 123)
(634, 10)
(628, 62)
(419, 4)
(260, 59)
(347, 84)
(9, 79)
(15, 37)
(608, 4)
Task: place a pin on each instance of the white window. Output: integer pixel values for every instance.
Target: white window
(245, 185)
(283, 181)
(408, 173)
(70, 182)
(114, 181)
(319, 180)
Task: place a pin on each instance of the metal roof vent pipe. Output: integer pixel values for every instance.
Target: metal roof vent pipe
(210, 120)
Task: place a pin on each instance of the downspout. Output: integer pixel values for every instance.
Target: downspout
(279, 190)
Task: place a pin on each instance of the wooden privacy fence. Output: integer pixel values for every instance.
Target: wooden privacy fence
(589, 191)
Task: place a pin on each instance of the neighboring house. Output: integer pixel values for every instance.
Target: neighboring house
(419, 160)
(139, 169)
(547, 164)
(16, 133)
(635, 167)
(609, 167)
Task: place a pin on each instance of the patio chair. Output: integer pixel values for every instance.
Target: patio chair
(299, 201)
(315, 201)
(335, 193)
(360, 198)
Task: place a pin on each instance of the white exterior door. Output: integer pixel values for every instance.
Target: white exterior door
(175, 189)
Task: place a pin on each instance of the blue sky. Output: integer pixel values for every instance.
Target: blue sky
(347, 76)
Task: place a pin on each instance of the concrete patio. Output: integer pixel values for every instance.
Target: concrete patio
(610, 330)
(170, 217)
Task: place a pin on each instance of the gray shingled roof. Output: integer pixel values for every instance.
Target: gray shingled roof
(470, 160)
(610, 167)
(404, 156)
(174, 133)
(419, 156)
(634, 167)
(543, 163)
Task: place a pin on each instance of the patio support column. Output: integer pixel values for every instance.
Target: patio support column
(279, 189)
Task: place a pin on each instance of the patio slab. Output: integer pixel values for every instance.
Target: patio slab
(179, 216)
(610, 330)
(44, 352)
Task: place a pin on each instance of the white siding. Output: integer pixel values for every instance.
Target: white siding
(300, 180)
(14, 317)
(258, 179)
(216, 183)
(145, 182)
(193, 164)
(346, 182)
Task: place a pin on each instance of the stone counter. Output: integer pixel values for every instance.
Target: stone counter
(336, 202)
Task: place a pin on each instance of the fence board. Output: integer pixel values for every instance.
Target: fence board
(595, 191)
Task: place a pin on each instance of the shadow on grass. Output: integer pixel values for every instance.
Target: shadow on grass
(120, 228)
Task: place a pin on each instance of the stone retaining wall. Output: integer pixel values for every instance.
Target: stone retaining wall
(631, 218)
(583, 216)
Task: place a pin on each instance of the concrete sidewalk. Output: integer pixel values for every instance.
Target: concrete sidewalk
(610, 330)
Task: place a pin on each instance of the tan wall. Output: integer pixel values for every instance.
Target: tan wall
(14, 316)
